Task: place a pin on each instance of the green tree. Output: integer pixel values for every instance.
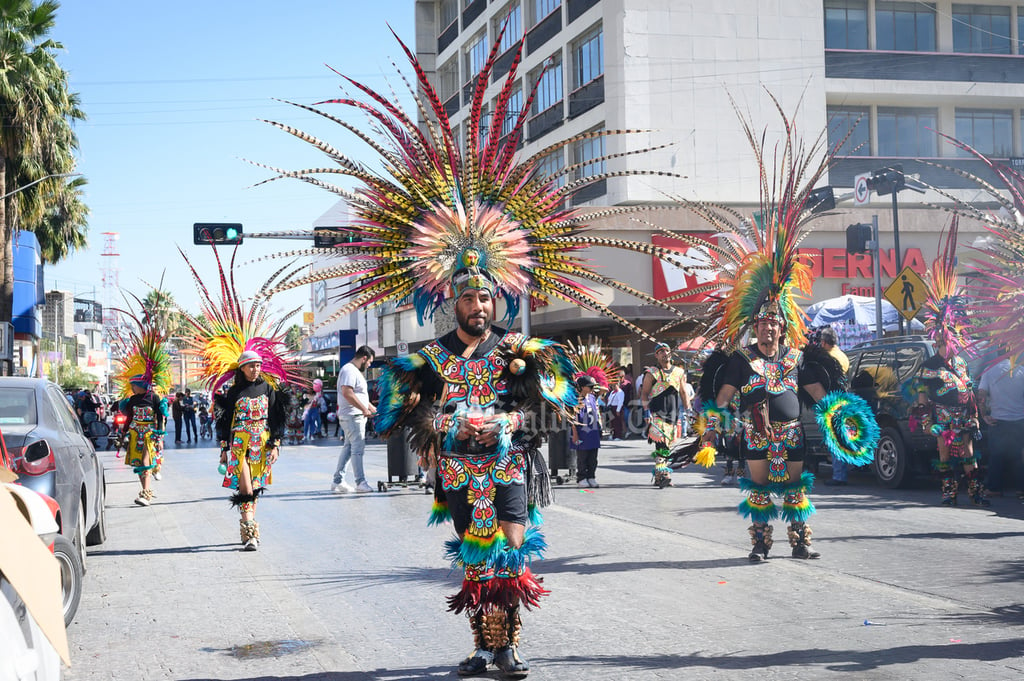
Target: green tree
(165, 311)
(293, 337)
(36, 112)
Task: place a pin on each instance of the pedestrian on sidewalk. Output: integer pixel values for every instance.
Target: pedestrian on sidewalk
(616, 408)
(177, 414)
(188, 416)
(1001, 401)
(354, 407)
(586, 432)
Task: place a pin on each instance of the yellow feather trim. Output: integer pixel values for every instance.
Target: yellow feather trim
(706, 456)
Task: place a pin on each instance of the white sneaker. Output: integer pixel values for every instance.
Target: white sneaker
(157, 476)
(363, 488)
(593, 482)
(342, 488)
(251, 545)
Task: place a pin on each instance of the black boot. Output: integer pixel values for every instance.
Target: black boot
(976, 489)
(507, 659)
(761, 539)
(482, 657)
(800, 540)
(949, 488)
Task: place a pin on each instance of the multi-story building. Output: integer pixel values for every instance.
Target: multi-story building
(896, 73)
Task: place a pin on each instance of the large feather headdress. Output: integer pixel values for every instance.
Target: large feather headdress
(441, 206)
(144, 357)
(996, 290)
(588, 357)
(229, 326)
(755, 261)
(945, 309)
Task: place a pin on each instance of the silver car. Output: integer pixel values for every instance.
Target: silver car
(52, 455)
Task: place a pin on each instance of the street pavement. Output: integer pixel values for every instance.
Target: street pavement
(645, 583)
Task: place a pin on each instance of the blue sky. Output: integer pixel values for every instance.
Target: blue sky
(173, 93)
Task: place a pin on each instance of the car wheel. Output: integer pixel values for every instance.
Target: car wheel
(71, 571)
(98, 534)
(891, 459)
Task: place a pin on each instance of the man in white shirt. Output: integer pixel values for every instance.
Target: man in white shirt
(616, 404)
(353, 409)
(1001, 403)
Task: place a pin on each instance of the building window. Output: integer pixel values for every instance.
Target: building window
(549, 89)
(476, 56)
(515, 106)
(907, 133)
(980, 29)
(540, 9)
(513, 29)
(1020, 30)
(843, 120)
(550, 164)
(588, 57)
(449, 13)
(485, 127)
(905, 26)
(448, 79)
(588, 156)
(846, 24)
(988, 131)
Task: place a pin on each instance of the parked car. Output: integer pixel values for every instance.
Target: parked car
(52, 455)
(879, 372)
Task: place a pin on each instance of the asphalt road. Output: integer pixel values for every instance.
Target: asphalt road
(645, 583)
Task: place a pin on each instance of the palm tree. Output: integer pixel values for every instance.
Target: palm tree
(36, 109)
(162, 307)
(63, 225)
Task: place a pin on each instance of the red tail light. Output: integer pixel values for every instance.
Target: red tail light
(119, 419)
(36, 459)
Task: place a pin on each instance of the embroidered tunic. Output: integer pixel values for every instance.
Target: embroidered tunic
(244, 424)
(666, 404)
(147, 416)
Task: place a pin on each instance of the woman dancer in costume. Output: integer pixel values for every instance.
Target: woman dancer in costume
(144, 375)
(494, 227)
(946, 405)
(250, 425)
(239, 345)
(759, 276)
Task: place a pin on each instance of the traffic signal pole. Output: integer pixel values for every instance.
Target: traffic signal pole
(896, 241)
(876, 267)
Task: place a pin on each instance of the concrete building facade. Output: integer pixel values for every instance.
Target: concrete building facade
(893, 73)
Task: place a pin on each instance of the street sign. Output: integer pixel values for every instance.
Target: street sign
(861, 193)
(403, 348)
(307, 318)
(907, 293)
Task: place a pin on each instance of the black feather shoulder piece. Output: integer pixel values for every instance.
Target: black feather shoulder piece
(824, 369)
(713, 375)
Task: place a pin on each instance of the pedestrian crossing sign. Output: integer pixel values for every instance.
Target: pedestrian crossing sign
(907, 293)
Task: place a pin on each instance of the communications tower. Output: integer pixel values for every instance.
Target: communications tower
(108, 277)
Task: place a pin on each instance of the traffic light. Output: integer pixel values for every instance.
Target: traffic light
(821, 200)
(205, 233)
(329, 238)
(887, 180)
(857, 238)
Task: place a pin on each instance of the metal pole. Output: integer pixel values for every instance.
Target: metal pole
(524, 310)
(896, 241)
(876, 267)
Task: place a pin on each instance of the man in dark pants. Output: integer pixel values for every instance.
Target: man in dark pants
(188, 414)
(1001, 403)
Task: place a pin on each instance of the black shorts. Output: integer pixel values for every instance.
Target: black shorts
(509, 503)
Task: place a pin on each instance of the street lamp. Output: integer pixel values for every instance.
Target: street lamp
(34, 182)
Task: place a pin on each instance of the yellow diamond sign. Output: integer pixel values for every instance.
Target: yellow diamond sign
(907, 293)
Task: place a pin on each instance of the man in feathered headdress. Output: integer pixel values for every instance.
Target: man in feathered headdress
(663, 394)
(760, 277)
(946, 405)
(471, 224)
